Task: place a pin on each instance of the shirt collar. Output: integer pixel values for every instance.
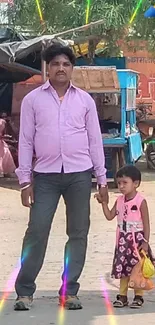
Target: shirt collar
(47, 85)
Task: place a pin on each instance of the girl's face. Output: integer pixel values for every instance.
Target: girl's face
(126, 185)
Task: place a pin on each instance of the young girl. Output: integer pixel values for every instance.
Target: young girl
(133, 231)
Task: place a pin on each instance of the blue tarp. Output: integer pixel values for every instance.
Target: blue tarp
(119, 63)
(135, 147)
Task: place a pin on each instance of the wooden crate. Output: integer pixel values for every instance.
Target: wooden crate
(96, 79)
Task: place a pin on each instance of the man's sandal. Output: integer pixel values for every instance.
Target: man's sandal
(120, 302)
(137, 302)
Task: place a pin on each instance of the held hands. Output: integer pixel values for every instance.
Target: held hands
(103, 192)
(102, 196)
(98, 197)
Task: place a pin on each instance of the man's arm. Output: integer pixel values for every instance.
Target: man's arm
(95, 142)
(26, 142)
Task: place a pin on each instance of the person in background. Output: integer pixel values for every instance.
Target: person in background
(59, 122)
(10, 128)
(7, 166)
(11, 136)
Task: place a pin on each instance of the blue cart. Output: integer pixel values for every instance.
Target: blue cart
(121, 145)
(114, 92)
(122, 148)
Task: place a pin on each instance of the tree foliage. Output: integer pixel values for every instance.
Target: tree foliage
(62, 15)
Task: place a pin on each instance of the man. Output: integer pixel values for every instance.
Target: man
(59, 123)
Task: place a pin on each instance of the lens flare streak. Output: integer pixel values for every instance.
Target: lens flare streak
(61, 316)
(39, 11)
(108, 304)
(11, 282)
(9, 287)
(136, 11)
(88, 11)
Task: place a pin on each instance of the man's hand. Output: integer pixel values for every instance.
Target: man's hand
(27, 197)
(103, 191)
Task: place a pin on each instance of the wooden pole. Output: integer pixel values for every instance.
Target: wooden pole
(81, 28)
(43, 67)
(43, 71)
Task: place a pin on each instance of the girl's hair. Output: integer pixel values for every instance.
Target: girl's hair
(129, 171)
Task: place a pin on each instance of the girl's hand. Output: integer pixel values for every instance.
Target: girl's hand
(144, 247)
(98, 197)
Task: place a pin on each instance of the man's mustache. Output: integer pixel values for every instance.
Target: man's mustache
(61, 72)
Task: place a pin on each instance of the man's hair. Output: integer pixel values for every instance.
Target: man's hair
(129, 171)
(58, 49)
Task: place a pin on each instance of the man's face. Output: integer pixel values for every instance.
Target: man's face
(60, 69)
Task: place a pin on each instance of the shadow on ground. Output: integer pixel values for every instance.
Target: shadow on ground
(46, 311)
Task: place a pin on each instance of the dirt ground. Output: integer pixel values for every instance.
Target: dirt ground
(95, 280)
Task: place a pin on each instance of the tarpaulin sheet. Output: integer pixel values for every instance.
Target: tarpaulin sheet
(27, 53)
(16, 51)
(19, 60)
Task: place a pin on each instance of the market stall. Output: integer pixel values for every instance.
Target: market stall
(114, 92)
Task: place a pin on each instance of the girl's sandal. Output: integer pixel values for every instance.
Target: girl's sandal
(120, 302)
(137, 302)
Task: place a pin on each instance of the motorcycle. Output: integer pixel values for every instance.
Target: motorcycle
(146, 128)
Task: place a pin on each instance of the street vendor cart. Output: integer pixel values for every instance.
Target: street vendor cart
(114, 92)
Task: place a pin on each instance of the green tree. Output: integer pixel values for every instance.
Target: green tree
(62, 15)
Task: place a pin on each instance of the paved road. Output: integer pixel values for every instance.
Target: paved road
(95, 312)
(13, 221)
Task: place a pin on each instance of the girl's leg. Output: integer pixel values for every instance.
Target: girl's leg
(139, 292)
(121, 299)
(138, 299)
(124, 286)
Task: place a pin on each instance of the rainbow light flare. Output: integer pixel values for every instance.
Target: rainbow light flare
(88, 11)
(61, 316)
(10, 286)
(11, 282)
(39, 11)
(108, 304)
(136, 10)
